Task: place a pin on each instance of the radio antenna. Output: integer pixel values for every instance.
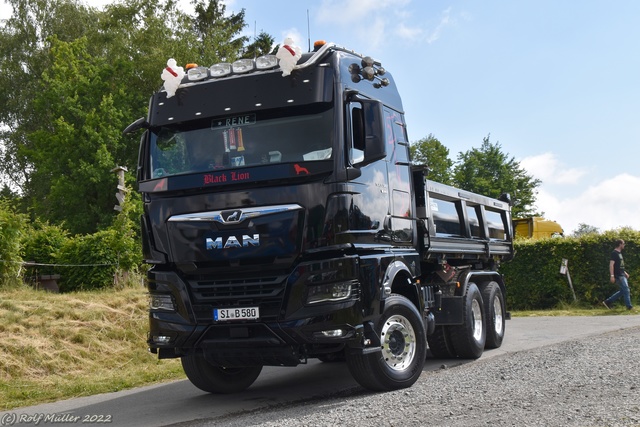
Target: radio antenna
(308, 31)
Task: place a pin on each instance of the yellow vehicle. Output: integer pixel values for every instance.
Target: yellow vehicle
(537, 228)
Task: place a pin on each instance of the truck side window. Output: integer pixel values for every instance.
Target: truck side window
(496, 225)
(402, 152)
(445, 218)
(474, 223)
(356, 151)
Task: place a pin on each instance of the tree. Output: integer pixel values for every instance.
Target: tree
(262, 45)
(585, 229)
(217, 32)
(430, 152)
(82, 76)
(489, 171)
(23, 59)
(74, 150)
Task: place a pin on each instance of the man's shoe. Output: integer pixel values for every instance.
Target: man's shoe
(630, 308)
(606, 305)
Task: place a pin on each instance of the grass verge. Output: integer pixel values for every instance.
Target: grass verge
(59, 346)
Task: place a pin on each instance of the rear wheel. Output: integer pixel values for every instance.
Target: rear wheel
(338, 356)
(217, 379)
(440, 343)
(469, 338)
(494, 310)
(403, 349)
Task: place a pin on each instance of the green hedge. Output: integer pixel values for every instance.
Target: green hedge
(533, 277)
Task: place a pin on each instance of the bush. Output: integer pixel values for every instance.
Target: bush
(84, 262)
(92, 261)
(41, 245)
(11, 229)
(533, 277)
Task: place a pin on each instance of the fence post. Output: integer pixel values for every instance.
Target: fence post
(564, 269)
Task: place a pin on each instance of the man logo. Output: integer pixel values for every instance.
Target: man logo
(232, 216)
(243, 241)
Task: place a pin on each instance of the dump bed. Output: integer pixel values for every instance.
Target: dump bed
(458, 224)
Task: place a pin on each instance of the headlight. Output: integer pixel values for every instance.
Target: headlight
(328, 292)
(161, 302)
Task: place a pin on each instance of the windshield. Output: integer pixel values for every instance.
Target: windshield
(245, 140)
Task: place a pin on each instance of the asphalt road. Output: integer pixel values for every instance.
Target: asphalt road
(179, 401)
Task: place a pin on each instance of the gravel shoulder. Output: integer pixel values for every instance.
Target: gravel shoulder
(590, 381)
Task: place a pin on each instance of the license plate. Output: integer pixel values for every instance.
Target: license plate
(246, 313)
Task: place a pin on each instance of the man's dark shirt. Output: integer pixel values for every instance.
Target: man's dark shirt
(618, 263)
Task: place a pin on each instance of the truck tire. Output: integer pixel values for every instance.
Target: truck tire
(338, 356)
(440, 343)
(494, 310)
(403, 349)
(217, 379)
(469, 338)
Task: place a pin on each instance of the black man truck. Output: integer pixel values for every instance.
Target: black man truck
(283, 221)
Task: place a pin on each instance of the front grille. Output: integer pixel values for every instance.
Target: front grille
(266, 292)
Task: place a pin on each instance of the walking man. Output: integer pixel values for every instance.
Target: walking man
(619, 276)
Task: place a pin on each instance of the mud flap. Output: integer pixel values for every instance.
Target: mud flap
(450, 312)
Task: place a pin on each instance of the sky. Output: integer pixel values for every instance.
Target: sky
(555, 82)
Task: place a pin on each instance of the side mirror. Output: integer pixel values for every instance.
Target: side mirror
(373, 121)
(141, 158)
(141, 123)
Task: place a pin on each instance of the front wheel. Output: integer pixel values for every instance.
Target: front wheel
(217, 379)
(403, 349)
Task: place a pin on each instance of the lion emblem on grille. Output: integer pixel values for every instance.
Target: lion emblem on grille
(232, 216)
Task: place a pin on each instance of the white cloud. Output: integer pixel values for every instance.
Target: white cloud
(613, 203)
(371, 21)
(445, 20)
(550, 170)
(408, 33)
(296, 35)
(347, 12)
(384, 21)
(610, 204)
